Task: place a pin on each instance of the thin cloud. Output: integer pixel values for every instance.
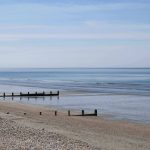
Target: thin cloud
(76, 8)
(117, 24)
(69, 6)
(24, 27)
(76, 36)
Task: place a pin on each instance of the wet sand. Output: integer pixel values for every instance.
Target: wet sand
(24, 128)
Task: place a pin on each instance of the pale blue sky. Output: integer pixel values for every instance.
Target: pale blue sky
(74, 33)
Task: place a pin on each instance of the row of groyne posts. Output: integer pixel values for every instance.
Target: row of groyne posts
(69, 113)
(36, 94)
(82, 113)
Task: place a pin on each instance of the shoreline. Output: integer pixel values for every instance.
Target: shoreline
(90, 132)
(112, 107)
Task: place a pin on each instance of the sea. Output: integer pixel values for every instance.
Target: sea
(122, 93)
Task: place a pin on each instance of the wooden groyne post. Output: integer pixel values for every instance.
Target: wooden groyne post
(57, 92)
(69, 113)
(82, 112)
(95, 112)
(55, 113)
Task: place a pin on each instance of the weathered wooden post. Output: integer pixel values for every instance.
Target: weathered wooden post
(95, 112)
(40, 113)
(12, 94)
(4, 95)
(55, 113)
(50, 92)
(20, 93)
(68, 112)
(36, 93)
(43, 93)
(28, 96)
(82, 112)
(57, 92)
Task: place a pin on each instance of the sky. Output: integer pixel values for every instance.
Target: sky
(74, 33)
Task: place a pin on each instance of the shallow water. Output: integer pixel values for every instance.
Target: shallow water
(134, 108)
(117, 93)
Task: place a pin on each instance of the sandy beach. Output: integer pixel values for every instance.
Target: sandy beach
(21, 127)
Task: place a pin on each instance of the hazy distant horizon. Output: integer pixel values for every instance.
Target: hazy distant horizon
(79, 68)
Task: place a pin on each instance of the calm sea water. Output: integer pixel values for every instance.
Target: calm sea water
(119, 93)
(116, 81)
